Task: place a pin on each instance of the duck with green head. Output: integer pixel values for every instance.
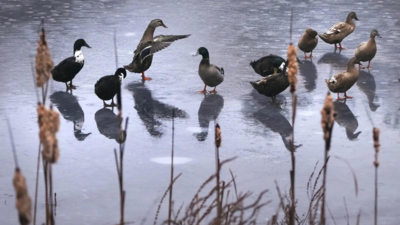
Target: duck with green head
(211, 75)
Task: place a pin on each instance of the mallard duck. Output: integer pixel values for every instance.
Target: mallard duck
(308, 42)
(108, 86)
(67, 69)
(211, 75)
(267, 65)
(339, 31)
(273, 84)
(343, 81)
(148, 45)
(366, 51)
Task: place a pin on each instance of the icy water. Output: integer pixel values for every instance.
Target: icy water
(235, 33)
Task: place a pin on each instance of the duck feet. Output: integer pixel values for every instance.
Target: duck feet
(360, 67)
(204, 90)
(340, 46)
(70, 86)
(213, 91)
(369, 65)
(346, 96)
(339, 98)
(307, 57)
(144, 77)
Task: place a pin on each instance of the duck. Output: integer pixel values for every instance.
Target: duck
(211, 74)
(267, 65)
(308, 42)
(67, 69)
(339, 31)
(366, 50)
(274, 84)
(108, 86)
(148, 45)
(342, 82)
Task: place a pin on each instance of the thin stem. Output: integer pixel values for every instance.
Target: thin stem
(323, 219)
(172, 168)
(293, 160)
(12, 142)
(218, 168)
(376, 197)
(45, 190)
(37, 184)
(51, 194)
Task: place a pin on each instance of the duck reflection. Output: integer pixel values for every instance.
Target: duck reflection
(70, 109)
(270, 116)
(107, 123)
(345, 118)
(309, 72)
(335, 59)
(150, 109)
(366, 82)
(209, 110)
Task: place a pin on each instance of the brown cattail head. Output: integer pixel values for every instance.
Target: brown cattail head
(218, 138)
(24, 203)
(49, 124)
(376, 145)
(44, 64)
(292, 67)
(328, 117)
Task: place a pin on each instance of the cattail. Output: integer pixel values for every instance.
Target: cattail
(292, 67)
(376, 145)
(44, 64)
(218, 136)
(328, 117)
(49, 123)
(23, 204)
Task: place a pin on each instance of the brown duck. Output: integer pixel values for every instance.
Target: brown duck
(339, 31)
(308, 42)
(366, 51)
(342, 82)
(148, 45)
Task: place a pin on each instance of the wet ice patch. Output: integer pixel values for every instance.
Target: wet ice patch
(130, 34)
(167, 160)
(196, 129)
(306, 113)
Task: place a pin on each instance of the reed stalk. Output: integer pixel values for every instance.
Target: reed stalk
(376, 164)
(172, 169)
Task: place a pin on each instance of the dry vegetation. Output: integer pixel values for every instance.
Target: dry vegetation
(211, 203)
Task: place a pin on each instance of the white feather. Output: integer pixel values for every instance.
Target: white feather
(332, 80)
(121, 77)
(79, 58)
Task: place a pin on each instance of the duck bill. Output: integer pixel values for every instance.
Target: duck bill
(86, 45)
(164, 25)
(197, 53)
(356, 18)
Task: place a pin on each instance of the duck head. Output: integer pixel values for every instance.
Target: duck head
(278, 64)
(375, 33)
(352, 15)
(354, 61)
(311, 32)
(157, 23)
(79, 44)
(203, 52)
(121, 73)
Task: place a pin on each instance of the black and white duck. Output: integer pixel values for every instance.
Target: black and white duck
(108, 86)
(67, 69)
(273, 84)
(211, 75)
(148, 45)
(267, 65)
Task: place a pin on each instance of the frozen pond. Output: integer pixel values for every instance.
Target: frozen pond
(235, 33)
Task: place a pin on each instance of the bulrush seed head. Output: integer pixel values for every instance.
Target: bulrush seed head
(376, 145)
(49, 124)
(328, 117)
(292, 67)
(44, 64)
(23, 203)
(218, 138)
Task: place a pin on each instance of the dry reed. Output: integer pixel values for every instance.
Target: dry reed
(376, 164)
(327, 121)
(23, 203)
(44, 64)
(292, 77)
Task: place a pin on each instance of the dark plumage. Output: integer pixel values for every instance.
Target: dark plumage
(108, 86)
(273, 84)
(267, 65)
(67, 69)
(148, 45)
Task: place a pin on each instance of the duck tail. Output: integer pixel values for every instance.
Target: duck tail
(323, 37)
(253, 63)
(222, 71)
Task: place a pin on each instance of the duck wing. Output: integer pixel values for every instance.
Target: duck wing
(336, 28)
(221, 70)
(169, 38)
